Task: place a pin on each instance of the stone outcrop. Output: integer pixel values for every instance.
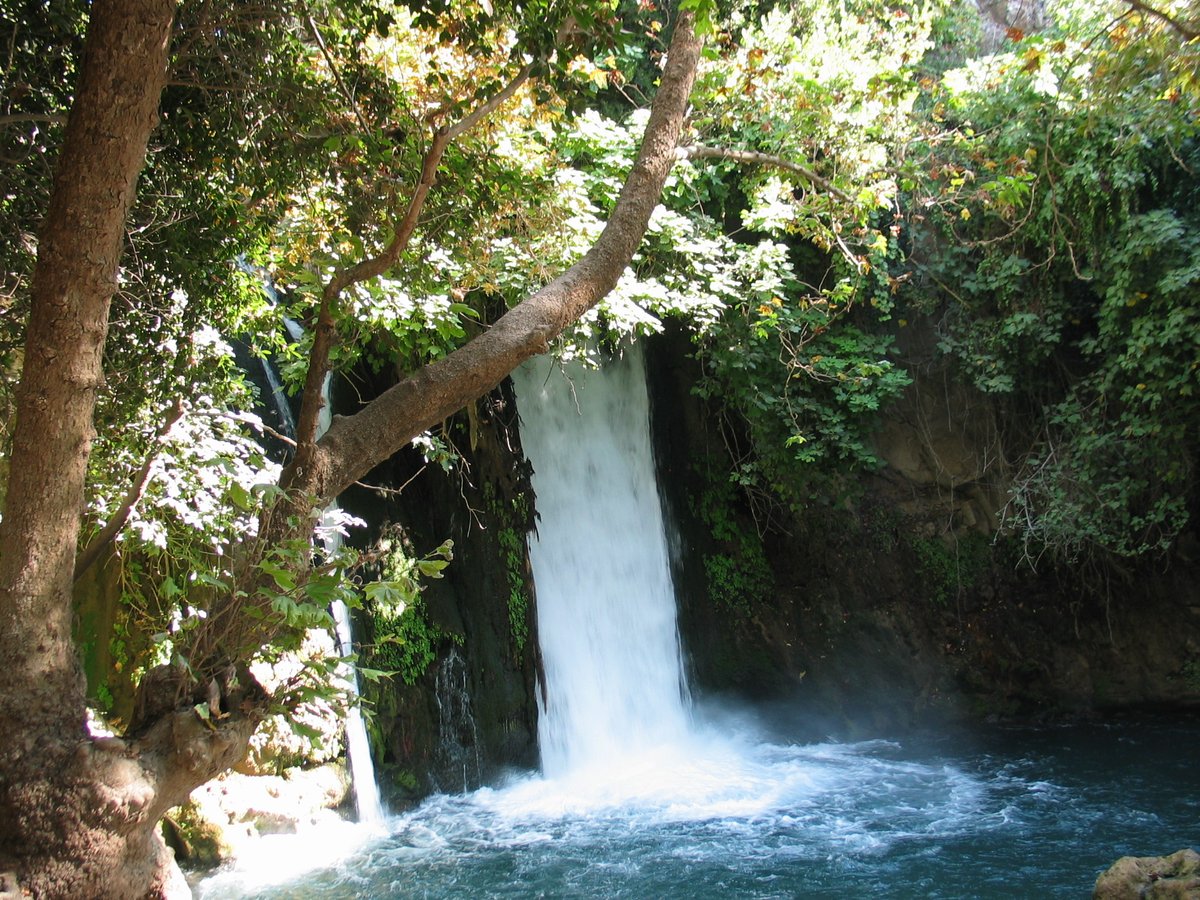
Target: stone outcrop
(225, 818)
(1174, 877)
(472, 713)
(902, 606)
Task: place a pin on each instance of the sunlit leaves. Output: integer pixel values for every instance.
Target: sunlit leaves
(829, 86)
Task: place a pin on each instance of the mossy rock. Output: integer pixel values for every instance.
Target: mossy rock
(198, 843)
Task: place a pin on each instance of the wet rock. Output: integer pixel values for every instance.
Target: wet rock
(1174, 877)
(9, 889)
(225, 818)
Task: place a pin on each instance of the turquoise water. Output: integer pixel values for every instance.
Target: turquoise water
(995, 813)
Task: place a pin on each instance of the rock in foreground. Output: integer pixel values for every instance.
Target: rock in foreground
(1174, 877)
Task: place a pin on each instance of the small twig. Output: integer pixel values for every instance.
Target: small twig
(17, 118)
(753, 157)
(136, 491)
(258, 424)
(337, 75)
(387, 491)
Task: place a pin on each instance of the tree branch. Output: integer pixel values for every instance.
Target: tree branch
(491, 105)
(307, 425)
(754, 158)
(355, 444)
(337, 75)
(1187, 32)
(47, 118)
(137, 490)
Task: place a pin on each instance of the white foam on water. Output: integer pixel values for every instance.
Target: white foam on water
(280, 858)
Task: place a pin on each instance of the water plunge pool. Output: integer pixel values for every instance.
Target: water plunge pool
(1002, 813)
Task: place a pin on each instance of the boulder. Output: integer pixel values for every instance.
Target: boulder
(9, 889)
(225, 818)
(1174, 877)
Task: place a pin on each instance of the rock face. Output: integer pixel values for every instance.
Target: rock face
(472, 712)
(225, 818)
(901, 607)
(896, 609)
(1174, 877)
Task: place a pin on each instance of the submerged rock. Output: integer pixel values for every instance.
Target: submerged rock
(1174, 877)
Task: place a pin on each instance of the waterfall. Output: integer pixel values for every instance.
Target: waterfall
(358, 747)
(614, 684)
(457, 757)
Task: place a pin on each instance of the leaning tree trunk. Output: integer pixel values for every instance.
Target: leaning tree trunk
(77, 817)
(355, 444)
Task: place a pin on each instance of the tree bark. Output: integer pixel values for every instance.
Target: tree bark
(77, 817)
(354, 445)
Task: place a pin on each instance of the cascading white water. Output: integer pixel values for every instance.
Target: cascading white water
(358, 748)
(636, 799)
(614, 685)
(367, 801)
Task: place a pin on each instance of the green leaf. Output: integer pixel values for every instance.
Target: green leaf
(431, 568)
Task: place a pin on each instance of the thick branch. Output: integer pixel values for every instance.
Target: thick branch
(355, 444)
(325, 330)
(137, 489)
(1187, 32)
(754, 158)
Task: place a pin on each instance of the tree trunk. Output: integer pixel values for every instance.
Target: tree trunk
(355, 444)
(77, 817)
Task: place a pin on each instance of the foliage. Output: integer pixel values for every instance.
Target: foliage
(511, 519)
(807, 391)
(739, 576)
(801, 360)
(1067, 254)
(949, 566)
(289, 140)
(405, 640)
(763, 304)
(406, 645)
(512, 548)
